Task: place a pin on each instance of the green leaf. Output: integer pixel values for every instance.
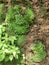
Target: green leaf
(11, 57)
(2, 55)
(12, 39)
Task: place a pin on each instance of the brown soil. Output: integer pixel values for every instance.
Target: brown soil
(40, 29)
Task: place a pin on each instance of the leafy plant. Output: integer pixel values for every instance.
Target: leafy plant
(8, 51)
(39, 52)
(16, 21)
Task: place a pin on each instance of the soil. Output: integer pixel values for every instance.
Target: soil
(39, 30)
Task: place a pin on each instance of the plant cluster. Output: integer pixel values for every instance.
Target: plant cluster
(17, 22)
(13, 32)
